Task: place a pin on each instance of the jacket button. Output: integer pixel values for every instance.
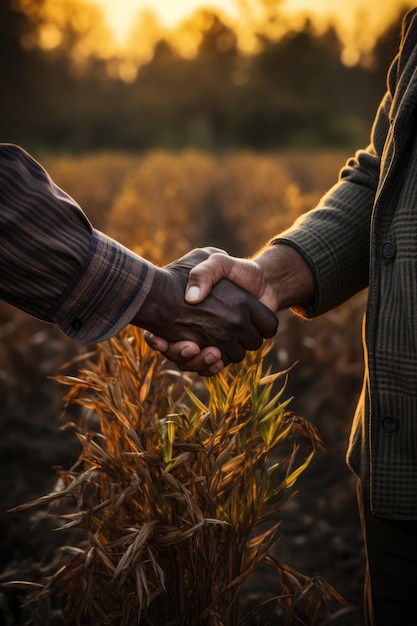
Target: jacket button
(388, 250)
(390, 424)
(76, 324)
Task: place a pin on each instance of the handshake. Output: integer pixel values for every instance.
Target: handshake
(207, 309)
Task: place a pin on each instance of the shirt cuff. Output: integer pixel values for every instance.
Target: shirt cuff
(105, 294)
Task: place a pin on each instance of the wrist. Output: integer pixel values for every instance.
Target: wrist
(288, 276)
(153, 305)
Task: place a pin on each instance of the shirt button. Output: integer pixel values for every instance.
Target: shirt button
(388, 250)
(390, 424)
(76, 324)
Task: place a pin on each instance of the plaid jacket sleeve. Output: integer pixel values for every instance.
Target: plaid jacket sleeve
(334, 237)
(54, 264)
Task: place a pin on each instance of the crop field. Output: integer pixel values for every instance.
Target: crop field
(162, 204)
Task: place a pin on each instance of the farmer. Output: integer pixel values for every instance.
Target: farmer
(362, 233)
(57, 267)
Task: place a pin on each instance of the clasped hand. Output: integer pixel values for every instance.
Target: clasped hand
(223, 326)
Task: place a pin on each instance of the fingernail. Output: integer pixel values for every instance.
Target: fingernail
(187, 352)
(209, 359)
(193, 293)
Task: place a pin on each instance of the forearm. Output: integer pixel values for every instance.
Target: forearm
(333, 241)
(55, 266)
(334, 238)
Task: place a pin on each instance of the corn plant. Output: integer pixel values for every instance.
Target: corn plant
(175, 498)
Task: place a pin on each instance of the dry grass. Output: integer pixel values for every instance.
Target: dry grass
(162, 204)
(175, 500)
(162, 208)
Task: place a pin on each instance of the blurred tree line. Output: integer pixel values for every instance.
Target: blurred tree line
(294, 91)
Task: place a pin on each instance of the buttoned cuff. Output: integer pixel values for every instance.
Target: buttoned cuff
(106, 293)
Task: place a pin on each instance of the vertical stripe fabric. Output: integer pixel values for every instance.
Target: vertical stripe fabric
(54, 264)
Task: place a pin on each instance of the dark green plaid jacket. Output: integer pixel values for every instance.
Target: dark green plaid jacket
(364, 233)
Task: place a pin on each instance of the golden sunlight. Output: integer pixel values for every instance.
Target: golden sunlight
(122, 13)
(127, 30)
(357, 22)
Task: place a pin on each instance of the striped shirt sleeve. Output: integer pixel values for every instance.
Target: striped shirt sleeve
(54, 264)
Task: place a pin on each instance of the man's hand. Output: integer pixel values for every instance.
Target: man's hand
(228, 319)
(278, 276)
(248, 274)
(188, 356)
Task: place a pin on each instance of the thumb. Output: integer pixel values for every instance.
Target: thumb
(205, 275)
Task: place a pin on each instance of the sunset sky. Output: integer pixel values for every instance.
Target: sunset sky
(136, 25)
(121, 13)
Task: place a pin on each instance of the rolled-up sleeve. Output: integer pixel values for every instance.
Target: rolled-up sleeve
(54, 264)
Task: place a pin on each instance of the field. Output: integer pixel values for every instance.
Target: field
(162, 204)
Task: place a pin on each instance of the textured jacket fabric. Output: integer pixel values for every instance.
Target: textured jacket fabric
(54, 264)
(364, 233)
